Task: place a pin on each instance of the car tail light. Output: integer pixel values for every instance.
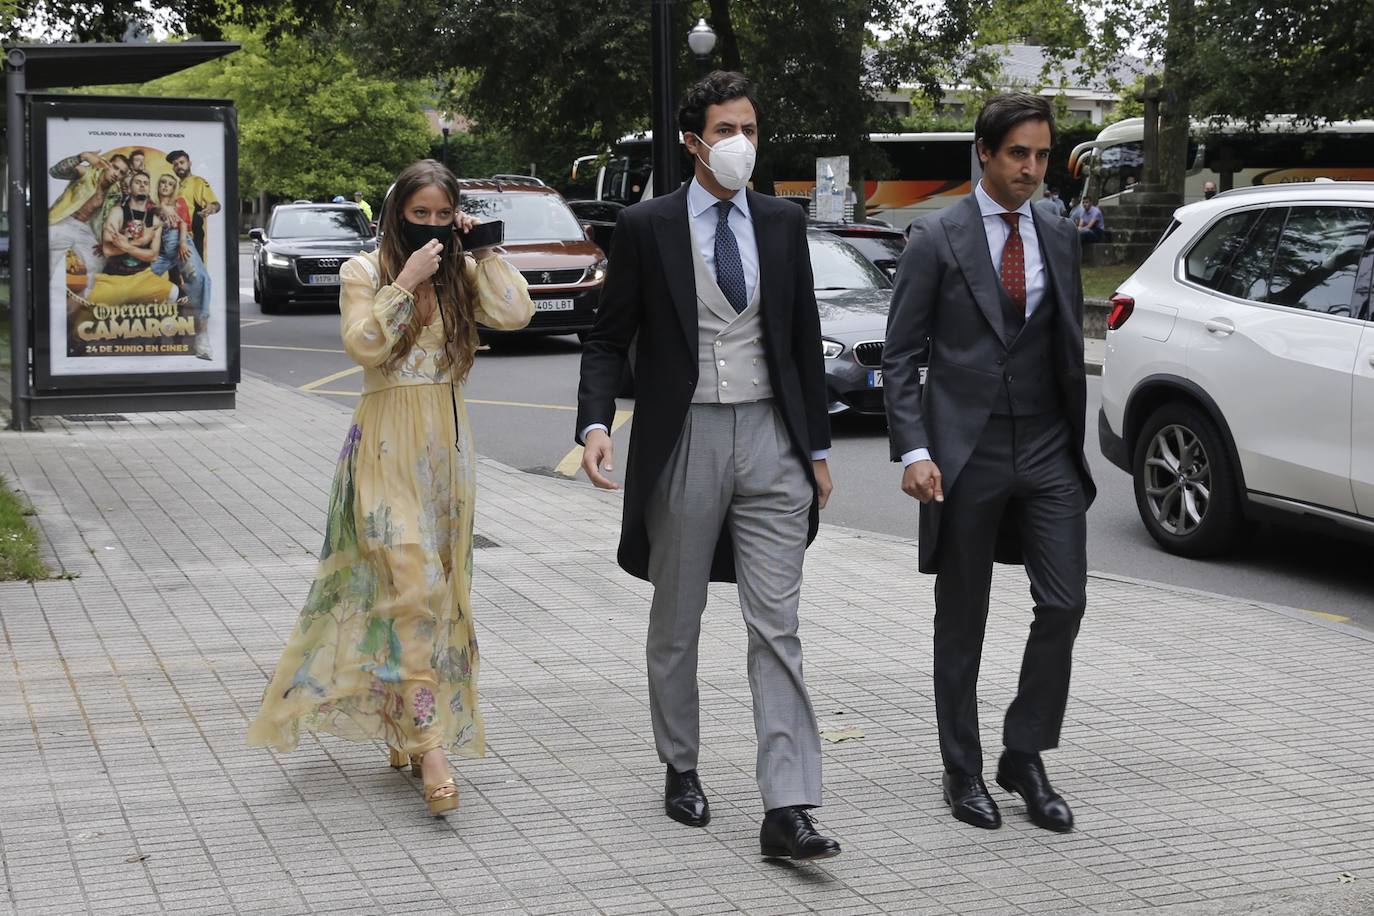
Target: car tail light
(1122, 307)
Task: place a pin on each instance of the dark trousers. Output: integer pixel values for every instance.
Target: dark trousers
(1024, 465)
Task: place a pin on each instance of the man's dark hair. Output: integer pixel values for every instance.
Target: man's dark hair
(712, 89)
(177, 153)
(120, 157)
(137, 152)
(1004, 111)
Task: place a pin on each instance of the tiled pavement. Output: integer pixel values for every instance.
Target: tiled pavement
(1218, 753)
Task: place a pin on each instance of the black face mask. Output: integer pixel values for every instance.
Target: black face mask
(417, 235)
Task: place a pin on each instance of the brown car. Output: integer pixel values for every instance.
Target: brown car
(547, 244)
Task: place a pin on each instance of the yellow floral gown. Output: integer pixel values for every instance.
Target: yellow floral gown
(385, 648)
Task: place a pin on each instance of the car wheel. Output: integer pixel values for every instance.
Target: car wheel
(1185, 485)
(257, 291)
(272, 302)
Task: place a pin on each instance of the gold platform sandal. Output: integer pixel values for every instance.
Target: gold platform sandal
(438, 800)
(398, 759)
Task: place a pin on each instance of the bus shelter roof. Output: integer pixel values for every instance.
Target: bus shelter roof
(58, 66)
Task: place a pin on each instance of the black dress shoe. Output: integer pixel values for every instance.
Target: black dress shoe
(969, 801)
(788, 833)
(1024, 775)
(684, 800)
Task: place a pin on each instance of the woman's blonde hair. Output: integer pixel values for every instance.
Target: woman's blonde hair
(455, 292)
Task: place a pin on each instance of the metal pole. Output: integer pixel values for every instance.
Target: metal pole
(443, 156)
(19, 241)
(667, 163)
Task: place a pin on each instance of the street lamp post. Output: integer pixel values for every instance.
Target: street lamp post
(667, 167)
(445, 127)
(702, 40)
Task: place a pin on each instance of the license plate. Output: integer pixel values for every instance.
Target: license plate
(875, 378)
(323, 279)
(553, 305)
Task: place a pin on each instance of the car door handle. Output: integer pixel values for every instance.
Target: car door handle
(1219, 326)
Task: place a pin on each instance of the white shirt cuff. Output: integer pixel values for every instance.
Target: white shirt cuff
(915, 455)
(820, 454)
(592, 426)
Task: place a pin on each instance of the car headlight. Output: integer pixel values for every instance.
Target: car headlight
(831, 348)
(277, 260)
(599, 270)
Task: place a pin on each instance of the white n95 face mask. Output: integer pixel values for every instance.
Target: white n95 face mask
(731, 160)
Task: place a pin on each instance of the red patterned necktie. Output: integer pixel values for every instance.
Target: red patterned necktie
(1014, 262)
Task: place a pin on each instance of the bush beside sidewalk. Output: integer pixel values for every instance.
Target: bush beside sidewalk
(19, 558)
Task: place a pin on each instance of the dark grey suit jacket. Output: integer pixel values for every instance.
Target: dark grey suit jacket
(946, 315)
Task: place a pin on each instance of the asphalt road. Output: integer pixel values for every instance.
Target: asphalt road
(521, 399)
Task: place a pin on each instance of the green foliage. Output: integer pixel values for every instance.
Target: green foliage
(19, 558)
(313, 122)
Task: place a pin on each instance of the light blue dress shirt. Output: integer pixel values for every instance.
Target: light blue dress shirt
(997, 232)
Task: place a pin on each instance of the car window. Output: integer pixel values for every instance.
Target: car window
(1249, 274)
(335, 223)
(528, 217)
(1318, 256)
(1211, 255)
(835, 264)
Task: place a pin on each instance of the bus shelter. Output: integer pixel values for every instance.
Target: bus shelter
(123, 231)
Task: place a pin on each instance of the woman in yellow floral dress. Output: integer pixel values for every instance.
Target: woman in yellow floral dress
(385, 648)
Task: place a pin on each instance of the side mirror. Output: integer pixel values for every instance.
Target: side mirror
(257, 235)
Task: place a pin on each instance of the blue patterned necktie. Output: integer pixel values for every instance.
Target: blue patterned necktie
(729, 269)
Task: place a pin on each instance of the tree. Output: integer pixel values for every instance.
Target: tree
(312, 122)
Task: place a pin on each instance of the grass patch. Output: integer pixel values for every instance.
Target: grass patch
(1101, 282)
(18, 544)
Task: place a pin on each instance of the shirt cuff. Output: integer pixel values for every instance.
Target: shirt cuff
(915, 455)
(820, 454)
(592, 426)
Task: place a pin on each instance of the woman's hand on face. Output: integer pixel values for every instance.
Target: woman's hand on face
(421, 265)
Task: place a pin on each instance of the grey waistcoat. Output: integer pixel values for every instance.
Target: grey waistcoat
(732, 368)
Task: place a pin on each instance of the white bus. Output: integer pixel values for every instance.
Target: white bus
(928, 171)
(1278, 152)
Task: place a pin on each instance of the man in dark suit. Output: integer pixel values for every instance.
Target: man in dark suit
(983, 367)
(710, 292)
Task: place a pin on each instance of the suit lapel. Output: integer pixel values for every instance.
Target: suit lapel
(674, 241)
(969, 242)
(1055, 251)
(772, 246)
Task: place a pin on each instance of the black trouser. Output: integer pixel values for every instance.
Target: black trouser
(1024, 464)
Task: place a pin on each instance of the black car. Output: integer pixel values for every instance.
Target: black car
(299, 255)
(853, 298)
(878, 242)
(600, 215)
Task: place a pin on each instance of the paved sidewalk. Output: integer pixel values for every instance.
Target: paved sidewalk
(1218, 753)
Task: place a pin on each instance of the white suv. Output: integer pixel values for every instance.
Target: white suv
(1239, 376)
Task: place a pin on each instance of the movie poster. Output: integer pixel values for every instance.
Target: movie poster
(137, 245)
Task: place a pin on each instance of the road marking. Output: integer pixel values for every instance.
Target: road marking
(250, 322)
(311, 386)
(519, 404)
(296, 349)
(1334, 618)
(572, 462)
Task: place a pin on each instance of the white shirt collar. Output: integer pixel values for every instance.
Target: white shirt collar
(989, 207)
(699, 200)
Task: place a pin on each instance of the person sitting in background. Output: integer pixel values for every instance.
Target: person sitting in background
(1075, 209)
(1209, 190)
(1091, 227)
